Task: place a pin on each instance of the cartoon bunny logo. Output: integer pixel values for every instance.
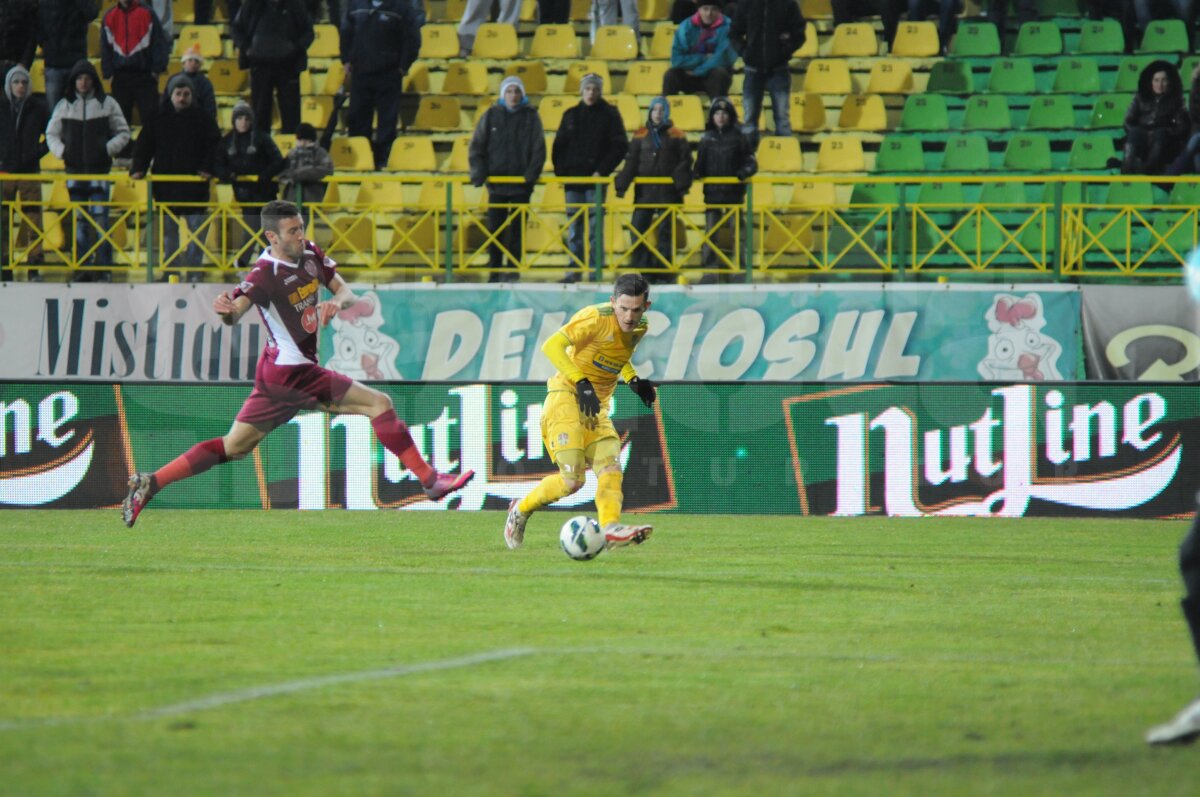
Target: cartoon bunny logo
(360, 348)
(1018, 351)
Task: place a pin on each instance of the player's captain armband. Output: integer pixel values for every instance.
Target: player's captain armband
(243, 289)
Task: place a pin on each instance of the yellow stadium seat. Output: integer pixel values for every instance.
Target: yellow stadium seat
(352, 153)
(529, 11)
(325, 42)
(466, 77)
(334, 78)
(227, 77)
(780, 154)
(438, 41)
(454, 10)
(381, 192)
(810, 46)
(93, 40)
(854, 40)
(807, 112)
(495, 40)
(532, 74)
(552, 108)
(413, 154)
(316, 110)
(686, 112)
(828, 76)
(916, 40)
(578, 69)
(554, 41)
(863, 112)
(459, 161)
(645, 77)
(661, 40)
(285, 141)
(182, 11)
(37, 76)
(580, 9)
(416, 81)
(890, 76)
(615, 43)
(631, 114)
(206, 37)
(306, 83)
(841, 154)
(438, 113)
(813, 195)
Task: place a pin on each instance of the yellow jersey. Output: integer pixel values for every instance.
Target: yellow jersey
(598, 351)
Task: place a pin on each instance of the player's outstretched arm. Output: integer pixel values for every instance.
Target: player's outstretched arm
(230, 309)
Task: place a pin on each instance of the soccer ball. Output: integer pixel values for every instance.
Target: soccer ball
(581, 538)
(1191, 274)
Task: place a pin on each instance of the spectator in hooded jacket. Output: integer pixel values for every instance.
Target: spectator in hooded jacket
(725, 151)
(204, 96)
(657, 150)
(23, 118)
(308, 164)
(272, 38)
(249, 152)
(1156, 124)
(766, 33)
(590, 142)
(380, 41)
(18, 33)
(87, 130)
(62, 34)
(508, 142)
(701, 56)
(134, 51)
(181, 142)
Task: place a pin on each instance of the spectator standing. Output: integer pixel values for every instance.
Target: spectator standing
(1156, 124)
(181, 142)
(166, 17)
(18, 33)
(247, 151)
(23, 119)
(554, 12)
(657, 150)
(508, 142)
(204, 96)
(203, 10)
(134, 51)
(701, 56)
(62, 34)
(308, 164)
(724, 152)
(478, 12)
(87, 130)
(272, 38)
(604, 12)
(380, 41)
(591, 142)
(766, 33)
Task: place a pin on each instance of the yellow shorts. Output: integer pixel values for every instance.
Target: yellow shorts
(565, 428)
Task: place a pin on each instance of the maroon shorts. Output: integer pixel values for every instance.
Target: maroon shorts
(281, 391)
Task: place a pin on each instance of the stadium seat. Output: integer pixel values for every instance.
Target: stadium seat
(874, 194)
(780, 154)
(841, 154)
(1166, 36)
(532, 74)
(1091, 152)
(316, 110)
(951, 77)
(1109, 111)
(854, 40)
(459, 160)
(809, 49)
(1184, 194)
(890, 76)
(1039, 38)
(1002, 194)
(1188, 68)
(916, 40)
(1076, 76)
(1101, 37)
(578, 69)
(466, 77)
(1028, 152)
(661, 40)
(438, 113)
(645, 77)
(438, 41)
(497, 40)
(528, 11)
(863, 112)
(412, 154)
(552, 108)
(386, 193)
(807, 112)
(654, 10)
(416, 80)
(816, 8)
(1122, 193)
(1051, 112)
(983, 234)
(325, 42)
(1116, 232)
(987, 112)
(925, 112)
(631, 114)
(206, 37)
(453, 10)
(226, 77)
(900, 154)
(335, 78)
(352, 153)
(687, 113)
(615, 43)
(1130, 70)
(828, 76)
(1011, 76)
(975, 40)
(554, 41)
(966, 152)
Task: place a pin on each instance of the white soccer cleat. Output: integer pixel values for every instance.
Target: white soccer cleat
(514, 526)
(618, 535)
(1184, 729)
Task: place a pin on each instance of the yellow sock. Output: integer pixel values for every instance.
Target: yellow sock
(609, 497)
(549, 490)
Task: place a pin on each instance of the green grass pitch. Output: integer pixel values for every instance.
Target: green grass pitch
(395, 653)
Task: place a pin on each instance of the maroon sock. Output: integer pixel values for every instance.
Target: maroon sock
(394, 435)
(196, 459)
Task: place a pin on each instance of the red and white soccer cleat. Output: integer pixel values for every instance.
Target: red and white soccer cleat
(514, 526)
(136, 500)
(447, 483)
(618, 535)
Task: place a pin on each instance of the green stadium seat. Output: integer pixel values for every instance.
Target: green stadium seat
(925, 112)
(1165, 36)
(1003, 194)
(976, 40)
(1184, 194)
(1077, 76)
(1039, 38)
(874, 194)
(951, 77)
(899, 154)
(1051, 112)
(1091, 151)
(1012, 76)
(1116, 233)
(1028, 152)
(983, 235)
(1189, 66)
(1109, 111)
(1101, 37)
(1179, 230)
(966, 152)
(1122, 193)
(987, 112)
(1130, 70)
(942, 219)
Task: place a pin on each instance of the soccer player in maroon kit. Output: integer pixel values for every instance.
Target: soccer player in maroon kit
(284, 285)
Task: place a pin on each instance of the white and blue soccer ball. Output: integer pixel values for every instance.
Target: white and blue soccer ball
(1191, 275)
(581, 538)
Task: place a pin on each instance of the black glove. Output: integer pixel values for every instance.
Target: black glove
(585, 394)
(645, 390)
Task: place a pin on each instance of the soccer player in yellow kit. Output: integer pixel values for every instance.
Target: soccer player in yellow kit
(590, 352)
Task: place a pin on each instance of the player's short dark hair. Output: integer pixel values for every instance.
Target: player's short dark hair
(276, 211)
(632, 284)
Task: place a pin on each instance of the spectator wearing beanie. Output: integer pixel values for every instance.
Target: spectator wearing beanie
(23, 119)
(204, 96)
(62, 27)
(308, 164)
(249, 152)
(701, 56)
(272, 39)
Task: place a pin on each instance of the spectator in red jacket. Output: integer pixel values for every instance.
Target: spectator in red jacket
(133, 52)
